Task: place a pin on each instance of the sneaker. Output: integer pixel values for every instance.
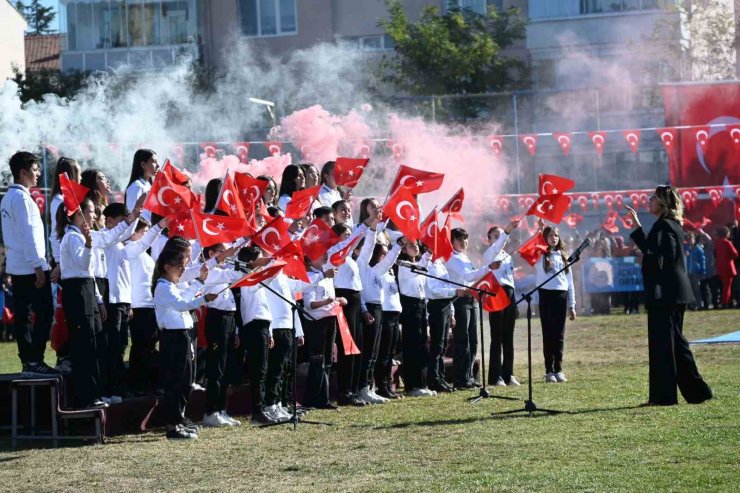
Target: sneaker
(214, 420)
(64, 366)
(370, 397)
(189, 423)
(282, 413)
(98, 404)
(500, 382)
(375, 394)
(560, 377)
(387, 394)
(355, 400)
(513, 381)
(114, 399)
(261, 418)
(550, 378)
(38, 370)
(180, 433)
(419, 393)
(275, 413)
(229, 420)
(196, 386)
(439, 387)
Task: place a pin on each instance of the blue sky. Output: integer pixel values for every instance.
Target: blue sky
(52, 3)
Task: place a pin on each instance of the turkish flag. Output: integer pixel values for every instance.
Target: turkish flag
(633, 139)
(495, 303)
(295, 264)
(610, 223)
(348, 343)
(301, 202)
(258, 276)
(530, 141)
(242, 151)
(669, 138)
(454, 206)
(338, 258)
(274, 148)
(347, 171)
(273, 236)
(436, 239)
(564, 140)
(228, 200)
(533, 249)
(72, 192)
(318, 238)
(403, 210)
(182, 225)
(416, 180)
(554, 185)
(497, 144)
(573, 220)
(250, 192)
(397, 150)
(209, 148)
(550, 207)
(598, 139)
(691, 225)
(214, 229)
(167, 198)
(706, 105)
(175, 174)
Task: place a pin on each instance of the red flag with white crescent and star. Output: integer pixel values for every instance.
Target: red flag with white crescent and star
(453, 207)
(633, 139)
(416, 180)
(598, 139)
(167, 198)
(550, 207)
(347, 171)
(499, 300)
(533, 248)
(229, 201)
(337, 258)
(295, 263)
(72, 192)
(554, 185)
(530, 141)
(258, 276)
(318, 238)
(175, 174)
(273, 236)
(436, 239)
(403, 210)
(182, 225)
(250, 190)
(301, 202)
(564, 140)
(668, 136)
(214, 229)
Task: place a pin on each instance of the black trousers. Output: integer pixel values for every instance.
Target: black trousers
(671, 361)
(414, 339)
(320, 341)
(502, 341)
(220, 327)
(256, 339)
(553, 309)
(32, 335)
(83, 323)
(278, 356)
(390, 337)
(143, 355)
(115, 331)
(465, 337)
(176, 357)
(439, 328)
(349, 366)
(370, 344)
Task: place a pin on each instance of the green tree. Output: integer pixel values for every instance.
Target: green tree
(34, 85)
(38, 16)
(458, 52)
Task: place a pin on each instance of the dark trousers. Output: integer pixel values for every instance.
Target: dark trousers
(671, 360)
(220, 327)
(370, 344)
(502, 341)
(553, 308)
(465, 337)
(32, 335)
(83, 323)
(320, 341)
(705, 292)
(390, 337)
(414, 339)
(115, 331)
(176, 356)
(439, 327)
(143, 355)
(256, 339)
(278, 356)
(349, 366)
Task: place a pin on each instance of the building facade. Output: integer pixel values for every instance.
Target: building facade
(12, 48)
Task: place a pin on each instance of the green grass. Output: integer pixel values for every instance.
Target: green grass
(603, 443)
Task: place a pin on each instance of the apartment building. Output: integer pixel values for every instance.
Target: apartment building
(12, 51)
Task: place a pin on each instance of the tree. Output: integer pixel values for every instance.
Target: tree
(34, 85)
(458, 52)
(38, 16)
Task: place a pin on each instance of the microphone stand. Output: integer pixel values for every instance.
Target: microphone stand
(294, 308)
(483, 393)
(529, 405)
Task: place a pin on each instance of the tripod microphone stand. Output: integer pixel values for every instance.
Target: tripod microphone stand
(529, 405)
(483, 393)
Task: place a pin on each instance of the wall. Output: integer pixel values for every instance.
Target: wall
(12, 43)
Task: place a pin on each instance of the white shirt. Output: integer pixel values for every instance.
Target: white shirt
(172, 305)
(161, 241)
(105, 238)
(372, 277)
(142, 270)
(462, 271)
(320, 289)
(56, 201)
(280, 310)
(23, 232)
(218, 281)
(136, 190)
(119, 257)
(391, 300)
(348, 274)
(495, 253)
(75, 259)
(411, 284)
(562, 282)
(327, 196)
(436, 289)
(254, 304)
(283, 201)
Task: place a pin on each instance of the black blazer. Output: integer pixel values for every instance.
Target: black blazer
(664, 266)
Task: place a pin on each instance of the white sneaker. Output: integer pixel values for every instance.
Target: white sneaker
(282, 412)
(418, 393)
(368, 396)
(196, 386)
(115, 399)
(500, 383)
(560, 377)
(382, 399)
(229, 420)
(432, 393)
(214, 420)
(513, 381)
(550, 378)
(106, 400)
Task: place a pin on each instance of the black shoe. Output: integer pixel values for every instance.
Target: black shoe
(387, 393)
(259, 418)
(39, 370)
(438, 387)
(181, 433)
(345, 399)
(328, 406)
(188, 423)
(450, 386)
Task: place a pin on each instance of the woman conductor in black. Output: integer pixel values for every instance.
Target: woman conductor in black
(667, 292)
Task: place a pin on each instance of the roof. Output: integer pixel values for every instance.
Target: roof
(43, 52)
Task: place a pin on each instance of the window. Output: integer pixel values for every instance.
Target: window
(545, 9)
(378, 42)
(478, 6)
(268, 17)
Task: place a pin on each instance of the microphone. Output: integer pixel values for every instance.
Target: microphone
(577, 254)
(411, 265)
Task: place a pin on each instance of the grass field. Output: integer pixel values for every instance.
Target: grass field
(604, 442)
